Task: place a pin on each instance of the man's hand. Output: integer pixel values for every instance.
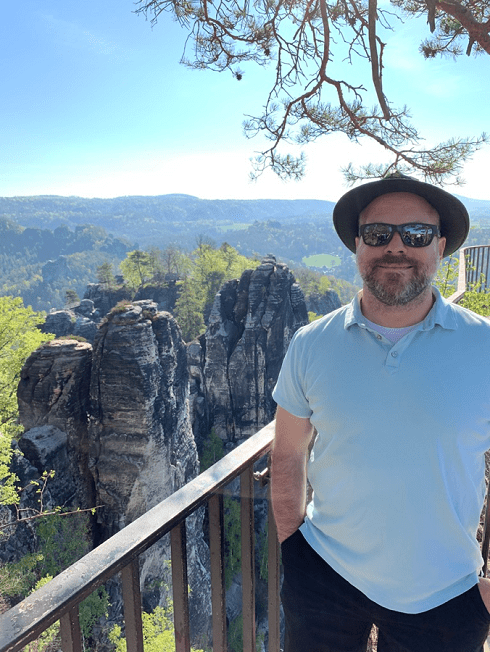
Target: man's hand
(288, 473)
(484, 586)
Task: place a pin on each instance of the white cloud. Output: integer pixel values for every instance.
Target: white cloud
(69, 34)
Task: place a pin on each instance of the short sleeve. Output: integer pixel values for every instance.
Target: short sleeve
(290, 391)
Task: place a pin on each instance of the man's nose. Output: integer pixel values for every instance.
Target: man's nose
(396, 243)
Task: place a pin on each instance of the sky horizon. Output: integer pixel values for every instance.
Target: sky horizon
(96, 104)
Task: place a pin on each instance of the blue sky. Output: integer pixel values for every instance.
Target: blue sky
(95, 104)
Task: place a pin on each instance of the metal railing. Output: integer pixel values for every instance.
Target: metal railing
(474, 268)
(59, 599)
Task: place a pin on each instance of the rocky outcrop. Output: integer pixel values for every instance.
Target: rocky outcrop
(55, 270)
(113, 421)
(122, 417)
(164, 295)
(53, 402)
(80, 320)
(235, 365)
(105, 298)
(322, 304)
(83, 318)
(141, 442)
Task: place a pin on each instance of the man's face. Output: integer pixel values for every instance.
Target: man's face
(395, 273)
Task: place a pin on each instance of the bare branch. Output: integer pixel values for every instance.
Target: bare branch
(300, 38)
(375, 66)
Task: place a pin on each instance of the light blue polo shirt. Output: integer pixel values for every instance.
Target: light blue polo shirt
(397, 468)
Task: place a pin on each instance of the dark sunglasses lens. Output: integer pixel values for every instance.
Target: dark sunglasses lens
(413, 235)
(417, 235)
(376, 235)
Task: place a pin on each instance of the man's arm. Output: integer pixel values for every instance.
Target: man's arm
(288, 472)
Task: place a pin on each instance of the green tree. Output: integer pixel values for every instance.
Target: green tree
(447, 276)
(174, 261)
(212, 267)
(19, 336)
(71, 297)
(314, 90)
(63, 539)
(479, 302)
(138, 267)
(105, 274)
(189, 310)
(158, 632)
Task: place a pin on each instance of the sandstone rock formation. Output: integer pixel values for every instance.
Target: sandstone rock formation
(322, 304)
(114, 423)
(122, 418)
(53, 402)
(106, 298)
(83, 319)
(235, 365)
(55, 270)
(164, 295)
(80, 320)
(141, 442)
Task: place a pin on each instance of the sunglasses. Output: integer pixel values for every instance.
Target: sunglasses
(413, 234)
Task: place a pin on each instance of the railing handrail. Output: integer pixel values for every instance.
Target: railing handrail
(69, 588)
(462, 285)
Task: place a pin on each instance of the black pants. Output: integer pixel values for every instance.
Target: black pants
(325, 613)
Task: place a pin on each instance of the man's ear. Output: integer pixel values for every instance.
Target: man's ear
(357, 242)
(442, 246)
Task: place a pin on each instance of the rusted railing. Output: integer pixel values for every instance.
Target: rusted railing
(474, 268)
(59, 599)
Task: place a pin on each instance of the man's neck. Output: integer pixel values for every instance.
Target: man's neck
(396, 316)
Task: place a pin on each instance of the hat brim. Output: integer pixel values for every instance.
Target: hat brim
(455, 221)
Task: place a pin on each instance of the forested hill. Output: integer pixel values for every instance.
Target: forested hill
(158, 220)
(51, 244)
(40, 264)
(165, 217)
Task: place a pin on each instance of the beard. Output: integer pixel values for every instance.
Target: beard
(394, 290)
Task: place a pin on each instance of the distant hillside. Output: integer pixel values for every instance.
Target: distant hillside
(158, 220)
(80, 234)
(40, 264)
(176, 218)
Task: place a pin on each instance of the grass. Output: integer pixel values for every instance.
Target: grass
(321, 260)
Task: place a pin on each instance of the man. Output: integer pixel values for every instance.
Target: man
(396, 388)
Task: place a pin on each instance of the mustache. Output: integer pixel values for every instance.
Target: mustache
(389, 259)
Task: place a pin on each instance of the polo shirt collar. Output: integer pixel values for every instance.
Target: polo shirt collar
(441, 313)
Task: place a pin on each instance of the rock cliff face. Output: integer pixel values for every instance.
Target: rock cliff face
(81, 320)
(141, 443)
(113, 421)
(53, 402)
(322, 304)
(164, 296)
(105, 298)
(235, 365)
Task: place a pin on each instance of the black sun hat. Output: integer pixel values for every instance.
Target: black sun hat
(455, 221)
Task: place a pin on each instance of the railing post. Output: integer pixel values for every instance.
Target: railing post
(132, 606)
(71, 636)
(179, 587)
(248, 558)
(217, 552)
(273, 578)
